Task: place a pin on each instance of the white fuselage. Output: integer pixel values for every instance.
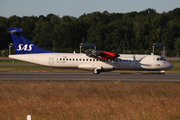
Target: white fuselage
(82, 61)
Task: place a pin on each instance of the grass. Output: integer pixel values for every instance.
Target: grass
(54, 100)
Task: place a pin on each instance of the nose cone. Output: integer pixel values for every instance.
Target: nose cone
(170, 66)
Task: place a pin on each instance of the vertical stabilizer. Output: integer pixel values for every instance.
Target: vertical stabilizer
(23, 45)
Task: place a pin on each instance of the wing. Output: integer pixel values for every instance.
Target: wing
(101, 54)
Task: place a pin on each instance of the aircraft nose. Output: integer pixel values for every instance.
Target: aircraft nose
(170, 65)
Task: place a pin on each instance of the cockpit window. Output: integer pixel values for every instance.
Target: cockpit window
(161, 59)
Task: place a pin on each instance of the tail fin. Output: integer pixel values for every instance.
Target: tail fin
(23, 45)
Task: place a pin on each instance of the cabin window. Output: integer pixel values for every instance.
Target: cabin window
(73, 59)
(67, 59)
(83, 59)
(90, 59)
(86, 59)
(96, 59)
(93, 59)
(79, 59)
(76, 59)
(60, 59)
(63, 59)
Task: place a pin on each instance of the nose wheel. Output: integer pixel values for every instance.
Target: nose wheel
(162, 72)
(96, 71)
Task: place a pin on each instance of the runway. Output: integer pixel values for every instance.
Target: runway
(91, 77)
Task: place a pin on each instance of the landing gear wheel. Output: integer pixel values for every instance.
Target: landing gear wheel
(96, 71)
(162, 72)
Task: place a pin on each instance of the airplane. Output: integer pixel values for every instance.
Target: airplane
(93, 60)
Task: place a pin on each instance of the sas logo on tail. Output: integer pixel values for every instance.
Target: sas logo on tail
(25, 47)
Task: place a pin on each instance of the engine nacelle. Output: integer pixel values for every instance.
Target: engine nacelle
(109, 55)
(101, 54)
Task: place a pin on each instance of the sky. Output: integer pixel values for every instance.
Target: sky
(76, 8)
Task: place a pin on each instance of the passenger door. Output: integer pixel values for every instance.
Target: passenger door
(51, 62)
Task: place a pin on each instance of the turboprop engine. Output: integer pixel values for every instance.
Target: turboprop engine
(102, 54)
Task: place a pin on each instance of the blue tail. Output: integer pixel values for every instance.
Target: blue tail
(23, 45)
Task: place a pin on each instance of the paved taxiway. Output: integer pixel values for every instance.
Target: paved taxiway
(91, 77)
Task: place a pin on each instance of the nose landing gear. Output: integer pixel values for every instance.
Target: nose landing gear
(162, 72)
(96, 71)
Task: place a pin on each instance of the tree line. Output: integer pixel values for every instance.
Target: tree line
(135, 32)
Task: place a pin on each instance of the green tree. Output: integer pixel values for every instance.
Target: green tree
(177, 46)
(14, 21)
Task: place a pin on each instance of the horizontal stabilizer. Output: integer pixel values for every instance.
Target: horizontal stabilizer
(15, 30)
